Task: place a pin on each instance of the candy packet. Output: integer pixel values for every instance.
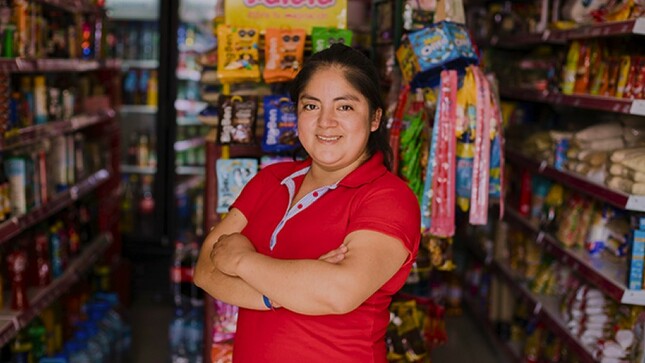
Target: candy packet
(284, 53)
(237, 117)
(237, 54)
(280, 125)
(323, 38)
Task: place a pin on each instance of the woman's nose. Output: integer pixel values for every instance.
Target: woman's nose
(327, 118)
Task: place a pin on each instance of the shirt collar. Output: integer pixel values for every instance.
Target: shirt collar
(365, 173)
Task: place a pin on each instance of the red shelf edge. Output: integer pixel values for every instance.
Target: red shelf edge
(611, 104)
(598, 191)
(612, 288)
(47, 295)
(16, 225)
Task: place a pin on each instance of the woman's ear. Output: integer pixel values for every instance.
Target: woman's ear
(376, 120)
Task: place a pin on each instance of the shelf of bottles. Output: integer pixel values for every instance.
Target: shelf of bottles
(545, 308)
(19, 223)
(610, 104)
(575, 181)
(12, 321)
(628, 27)
(608, 276)
(35, 133)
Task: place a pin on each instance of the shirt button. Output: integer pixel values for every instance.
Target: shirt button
(315, 194)
(299, 206)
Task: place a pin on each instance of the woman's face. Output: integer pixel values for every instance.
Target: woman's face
(334, 121)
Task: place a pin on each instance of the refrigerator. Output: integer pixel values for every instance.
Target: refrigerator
(163, 150)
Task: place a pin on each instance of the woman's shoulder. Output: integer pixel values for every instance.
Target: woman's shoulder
(282, 169)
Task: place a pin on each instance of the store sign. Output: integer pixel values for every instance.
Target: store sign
(263, 14)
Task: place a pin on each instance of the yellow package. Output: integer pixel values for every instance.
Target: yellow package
(570, 68)
(283, 52)
(623, 75)
(237, 54)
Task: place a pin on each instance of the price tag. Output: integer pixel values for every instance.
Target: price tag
(542, 166)
(639, 26)
(540, 238)
(638, 108)
(537, 308)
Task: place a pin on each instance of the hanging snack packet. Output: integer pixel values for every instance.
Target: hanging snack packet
(323, 38)
(280, 125)
(237, 115)
(284, 52)
(465, 132)
(237, 54)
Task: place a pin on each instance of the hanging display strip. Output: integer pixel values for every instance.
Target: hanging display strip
(545, 308)
(577, 182)
(11, 321)
(609, 276)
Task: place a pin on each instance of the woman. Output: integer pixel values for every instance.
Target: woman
(312, 251)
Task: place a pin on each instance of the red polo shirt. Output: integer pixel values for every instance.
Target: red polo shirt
(369, 198)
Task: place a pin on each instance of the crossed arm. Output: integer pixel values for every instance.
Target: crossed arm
(230, 270)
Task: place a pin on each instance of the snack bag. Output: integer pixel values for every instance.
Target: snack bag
(237, 54)
(232, 176)
(280, 125)
(237, 116)
(323, 38)
(284, 52)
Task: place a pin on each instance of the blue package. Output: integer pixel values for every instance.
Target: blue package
(280, 125)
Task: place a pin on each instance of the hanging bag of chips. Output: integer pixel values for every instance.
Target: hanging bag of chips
(280, 125)
(237, 54)
(237, 119)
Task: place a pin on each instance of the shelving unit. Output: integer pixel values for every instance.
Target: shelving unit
(98, 123)
(545, 308)
(578, 182)
(11, 322)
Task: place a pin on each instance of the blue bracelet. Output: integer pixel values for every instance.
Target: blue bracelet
(267, 302)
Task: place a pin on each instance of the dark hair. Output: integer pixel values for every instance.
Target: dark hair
(361, 73)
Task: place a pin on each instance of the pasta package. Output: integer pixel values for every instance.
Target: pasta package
(237, 54)
(284, 52)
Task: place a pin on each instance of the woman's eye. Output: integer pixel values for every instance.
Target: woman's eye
(345, 108)
(309, 107)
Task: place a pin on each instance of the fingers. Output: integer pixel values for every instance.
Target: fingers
(335, 256)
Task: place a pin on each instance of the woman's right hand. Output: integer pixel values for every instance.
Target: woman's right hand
(334, 256)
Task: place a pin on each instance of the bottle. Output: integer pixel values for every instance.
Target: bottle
(152, 89)
(40, 100)
(176, 277)
(126, 222)
(21, 349)
(4, 194)
(176, 337)
(17, 267)
(143, 150)
(27, 101)
(43, 266)
(37, 336)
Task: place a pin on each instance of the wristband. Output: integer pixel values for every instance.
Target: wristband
(267, 302)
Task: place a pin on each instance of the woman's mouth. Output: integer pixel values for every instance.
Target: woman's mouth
(327, 138)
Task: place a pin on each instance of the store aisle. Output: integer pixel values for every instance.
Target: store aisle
(467, 343)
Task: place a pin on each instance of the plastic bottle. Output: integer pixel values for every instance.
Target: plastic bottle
(40, 100)
(176, 337)
(176, 276)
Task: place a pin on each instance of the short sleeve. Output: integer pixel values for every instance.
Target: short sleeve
(252, 192)
(392, 210)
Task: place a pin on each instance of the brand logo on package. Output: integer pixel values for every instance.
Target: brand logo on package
(263, 14)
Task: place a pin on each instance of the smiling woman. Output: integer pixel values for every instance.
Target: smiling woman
(313, 250)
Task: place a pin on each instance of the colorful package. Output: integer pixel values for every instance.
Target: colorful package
(323, 38)
(280, 125)
(237, 54)
(442, 45)
(237, 116)
(284, 53)
(232, 176)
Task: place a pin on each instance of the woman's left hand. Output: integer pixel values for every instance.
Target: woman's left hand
(229, 250)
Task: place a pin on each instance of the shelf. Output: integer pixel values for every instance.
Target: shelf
(190, 170)
(33, 134)
(579, 183)
(190, 183)
(74, 6)
(145, 109)
(140, 63)
(609, 104)
(606, 274)
(188, 75)
(628, 27)
(189, 144)
(188, 121)
(54, 65)
(135, 169)
(11, 321)
(17, 224)
(545, 308)
(189, 107)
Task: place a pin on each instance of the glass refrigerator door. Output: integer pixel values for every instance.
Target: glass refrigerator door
(135, 33)
(195, 38)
